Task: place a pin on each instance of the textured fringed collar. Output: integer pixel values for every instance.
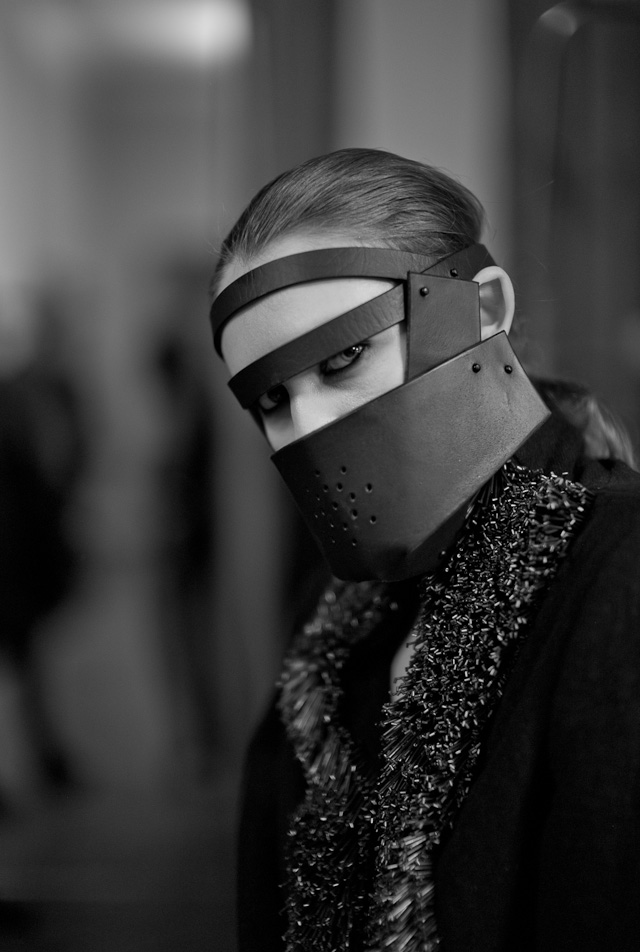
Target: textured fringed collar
(360, 857)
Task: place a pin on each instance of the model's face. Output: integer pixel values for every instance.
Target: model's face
(335, 386)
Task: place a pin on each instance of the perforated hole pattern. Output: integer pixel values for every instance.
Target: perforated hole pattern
(334, 505)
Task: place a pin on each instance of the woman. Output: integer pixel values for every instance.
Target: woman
(453, 755)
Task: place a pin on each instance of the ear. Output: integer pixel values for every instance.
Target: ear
(497, 301)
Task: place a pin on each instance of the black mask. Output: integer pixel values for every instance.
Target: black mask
(385, 488)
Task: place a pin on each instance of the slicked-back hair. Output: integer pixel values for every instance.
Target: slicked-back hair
(376, 198)
(370, 197)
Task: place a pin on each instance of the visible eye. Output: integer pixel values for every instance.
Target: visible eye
(278, 396)
(342, 360)
(273, 399)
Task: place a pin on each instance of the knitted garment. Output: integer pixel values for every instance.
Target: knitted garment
(360, 852)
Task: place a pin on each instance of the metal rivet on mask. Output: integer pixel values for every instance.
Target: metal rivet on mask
(476, 368)
(453, 272)
(508, 369)
(424, 292)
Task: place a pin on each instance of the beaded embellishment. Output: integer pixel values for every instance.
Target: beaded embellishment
(360, 852)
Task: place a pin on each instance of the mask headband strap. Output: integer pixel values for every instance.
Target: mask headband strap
(318, 344)
(350, 262)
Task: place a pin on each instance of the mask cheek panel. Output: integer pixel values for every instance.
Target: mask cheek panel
(443, 319)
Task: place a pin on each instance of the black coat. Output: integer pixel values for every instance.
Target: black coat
(545, 852)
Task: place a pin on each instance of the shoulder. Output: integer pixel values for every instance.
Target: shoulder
(602, 567)
(592, 613)
(608, 544)
(587, 622)
(610, 477)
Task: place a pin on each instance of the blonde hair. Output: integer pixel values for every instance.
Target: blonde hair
(604, 435)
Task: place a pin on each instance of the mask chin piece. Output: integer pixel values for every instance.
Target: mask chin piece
(386, 488)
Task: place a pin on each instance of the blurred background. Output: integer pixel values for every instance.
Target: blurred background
(148, 552)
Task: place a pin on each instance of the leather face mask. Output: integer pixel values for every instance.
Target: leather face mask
(385, 488)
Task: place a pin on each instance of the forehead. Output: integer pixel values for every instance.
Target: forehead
(280, 317)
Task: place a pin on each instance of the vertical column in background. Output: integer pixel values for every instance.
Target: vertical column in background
(430, 80)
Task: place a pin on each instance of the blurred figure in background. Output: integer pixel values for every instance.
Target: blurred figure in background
(41, 458)
(185, 477)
